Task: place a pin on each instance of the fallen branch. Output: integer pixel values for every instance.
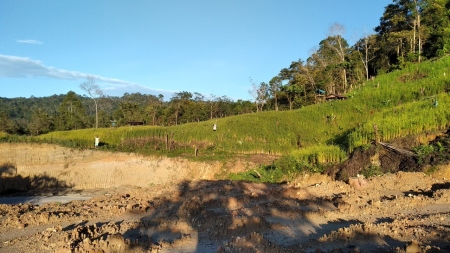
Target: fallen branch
(259, 175)
(398, 150)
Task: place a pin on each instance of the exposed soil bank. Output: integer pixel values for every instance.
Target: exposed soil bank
(46, 166)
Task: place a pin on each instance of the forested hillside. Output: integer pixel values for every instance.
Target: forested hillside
(34, 116)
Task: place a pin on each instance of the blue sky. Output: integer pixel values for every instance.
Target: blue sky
(163, 46)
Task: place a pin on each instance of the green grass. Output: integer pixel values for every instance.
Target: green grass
(263, 174)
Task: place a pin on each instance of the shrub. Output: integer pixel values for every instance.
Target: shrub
(424, 150)
(262, 174)
(371, 171)
(287, 164)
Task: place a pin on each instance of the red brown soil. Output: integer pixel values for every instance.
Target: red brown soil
(401, 212)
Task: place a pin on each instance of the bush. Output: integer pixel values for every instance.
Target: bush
(288, 164)
(262, 174)
(372, 171)
(423, 151)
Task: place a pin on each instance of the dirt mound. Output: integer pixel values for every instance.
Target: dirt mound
(384, 159)
(396, 156)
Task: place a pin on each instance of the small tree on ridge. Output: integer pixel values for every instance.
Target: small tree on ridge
(94, 91)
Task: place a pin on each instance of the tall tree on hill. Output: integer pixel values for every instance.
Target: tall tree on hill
(225, 107)
(309, 72)
(304, 80)
(213, 106)
(436, 18)
(193, 109)
(94, 91)
(402, 31)
(199, 108)
(6, 124)
(153, 108)
(242, 106)
(71, 114)
(329, 67)
(40, 122)
(291, 93)
(392, 34)
(299, 84)
(106, 114)
(366, 48)
(260, 94)
(274, 89)
(129, 111)
(417, 8)
(179, 105)
(340, 47)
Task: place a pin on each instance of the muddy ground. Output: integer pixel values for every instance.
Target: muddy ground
(396, 212)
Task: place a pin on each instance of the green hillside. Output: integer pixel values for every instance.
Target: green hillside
(411, 101)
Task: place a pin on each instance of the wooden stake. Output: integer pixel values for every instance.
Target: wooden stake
(375, 128)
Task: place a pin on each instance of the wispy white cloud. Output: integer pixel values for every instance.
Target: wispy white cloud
(23, 67)
(35, 42)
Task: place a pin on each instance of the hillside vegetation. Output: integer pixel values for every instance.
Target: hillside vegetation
(411, 101)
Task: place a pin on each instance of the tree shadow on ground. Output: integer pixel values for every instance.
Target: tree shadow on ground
(236, 216)
(13, 184)
(429, 193)
(8, 170)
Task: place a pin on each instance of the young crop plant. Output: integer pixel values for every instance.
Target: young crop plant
(319, 154)
(407, 119)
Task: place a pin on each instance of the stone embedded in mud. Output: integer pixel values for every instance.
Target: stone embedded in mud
(234, 204)
(375, 202)
(344, 207)
(358, 183)
(296, 192)
(116, 242)
(413, 247)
